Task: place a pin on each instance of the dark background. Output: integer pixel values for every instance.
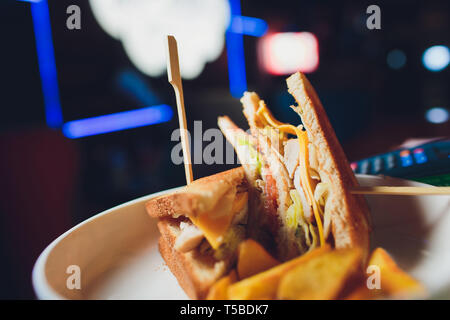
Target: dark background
(49, 183)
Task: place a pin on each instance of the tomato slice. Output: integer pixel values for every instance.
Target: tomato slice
(271, 204)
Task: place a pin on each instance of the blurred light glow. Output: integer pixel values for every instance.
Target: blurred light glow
(289, 52)
(396, 59)
(437, 115)
(46, 61)
(133, 84)
(117, 121)
(248, 26)
(436, 58)
(141, 26)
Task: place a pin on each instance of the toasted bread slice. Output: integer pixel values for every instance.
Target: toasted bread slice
(200, 196)
(196, 270)
(349, 213)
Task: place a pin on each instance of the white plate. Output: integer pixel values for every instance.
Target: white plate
(118, 257)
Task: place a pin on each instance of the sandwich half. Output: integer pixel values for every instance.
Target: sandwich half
(299, 177)
(292, 194)
(201, 226)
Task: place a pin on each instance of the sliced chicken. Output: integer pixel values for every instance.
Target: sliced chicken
(307, 210)
(189, 238)
(291, 156)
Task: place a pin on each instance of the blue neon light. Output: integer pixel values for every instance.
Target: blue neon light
(407, 161)
(238, 27)
(235, 52)
(420, 157)
(46, 59)
(117, 121)
(248, 26)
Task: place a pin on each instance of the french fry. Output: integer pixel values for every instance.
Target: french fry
(264, 285)
(322, 277)
(394, 281)
(253, 259)
(219, 291)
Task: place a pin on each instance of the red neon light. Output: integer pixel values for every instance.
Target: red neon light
(288, 52)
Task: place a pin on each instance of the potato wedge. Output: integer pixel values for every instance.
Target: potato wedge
(394, 281)
(264, 285)
(219, 291)
(322, 277)
(253, 259)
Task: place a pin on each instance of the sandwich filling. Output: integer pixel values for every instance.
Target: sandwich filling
(219, 230)
(281, 164)
(303, 182)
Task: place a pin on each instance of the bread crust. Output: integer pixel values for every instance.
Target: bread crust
(199, 196)
(349, 213)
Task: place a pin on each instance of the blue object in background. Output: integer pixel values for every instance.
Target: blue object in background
(49, 82)
(420, 156)
(235, 53)
(406, 158)
(240, 25)
(248, 26)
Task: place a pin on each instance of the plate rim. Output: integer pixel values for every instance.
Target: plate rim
(42, 288)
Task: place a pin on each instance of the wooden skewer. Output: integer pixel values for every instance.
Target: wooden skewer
(407, 191)
(173, 73)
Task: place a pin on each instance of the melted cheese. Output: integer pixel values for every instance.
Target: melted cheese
(215, 223)
(305, 178)
(239, 202)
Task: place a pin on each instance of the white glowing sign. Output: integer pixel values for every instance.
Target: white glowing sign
(141, 26)
(289, 52)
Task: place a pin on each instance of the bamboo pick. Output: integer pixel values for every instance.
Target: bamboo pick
(173, 73)
(409, 191)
